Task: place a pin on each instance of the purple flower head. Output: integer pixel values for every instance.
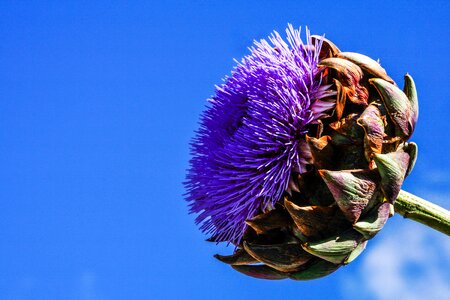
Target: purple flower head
(251, 136)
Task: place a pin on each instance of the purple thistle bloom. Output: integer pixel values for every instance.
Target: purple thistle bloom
(251, 137)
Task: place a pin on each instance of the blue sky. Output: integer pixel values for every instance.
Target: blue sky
(98, 101)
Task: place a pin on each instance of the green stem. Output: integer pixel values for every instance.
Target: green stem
(420, 210)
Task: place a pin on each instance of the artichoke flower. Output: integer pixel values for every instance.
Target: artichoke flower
(300, 157)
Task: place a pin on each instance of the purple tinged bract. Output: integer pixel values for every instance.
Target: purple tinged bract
(251, 136)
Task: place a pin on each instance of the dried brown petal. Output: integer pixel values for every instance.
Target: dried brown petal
(373, 126)
(277, 218)
(348, 77)
(239, 257)
(284, 257)
(341, 98)
(322, 151)
(315, 222)
(367, 64)
(350, 132)
(329, 49)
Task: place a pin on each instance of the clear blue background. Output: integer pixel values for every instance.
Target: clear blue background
(98, 101)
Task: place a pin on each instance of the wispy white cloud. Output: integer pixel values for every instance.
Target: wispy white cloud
(410, 262)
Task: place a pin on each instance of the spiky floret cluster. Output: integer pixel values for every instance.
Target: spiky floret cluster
(250, 139)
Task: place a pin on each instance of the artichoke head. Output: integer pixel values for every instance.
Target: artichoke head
(358, 159)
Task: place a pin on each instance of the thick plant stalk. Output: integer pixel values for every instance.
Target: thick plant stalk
(420, 210)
